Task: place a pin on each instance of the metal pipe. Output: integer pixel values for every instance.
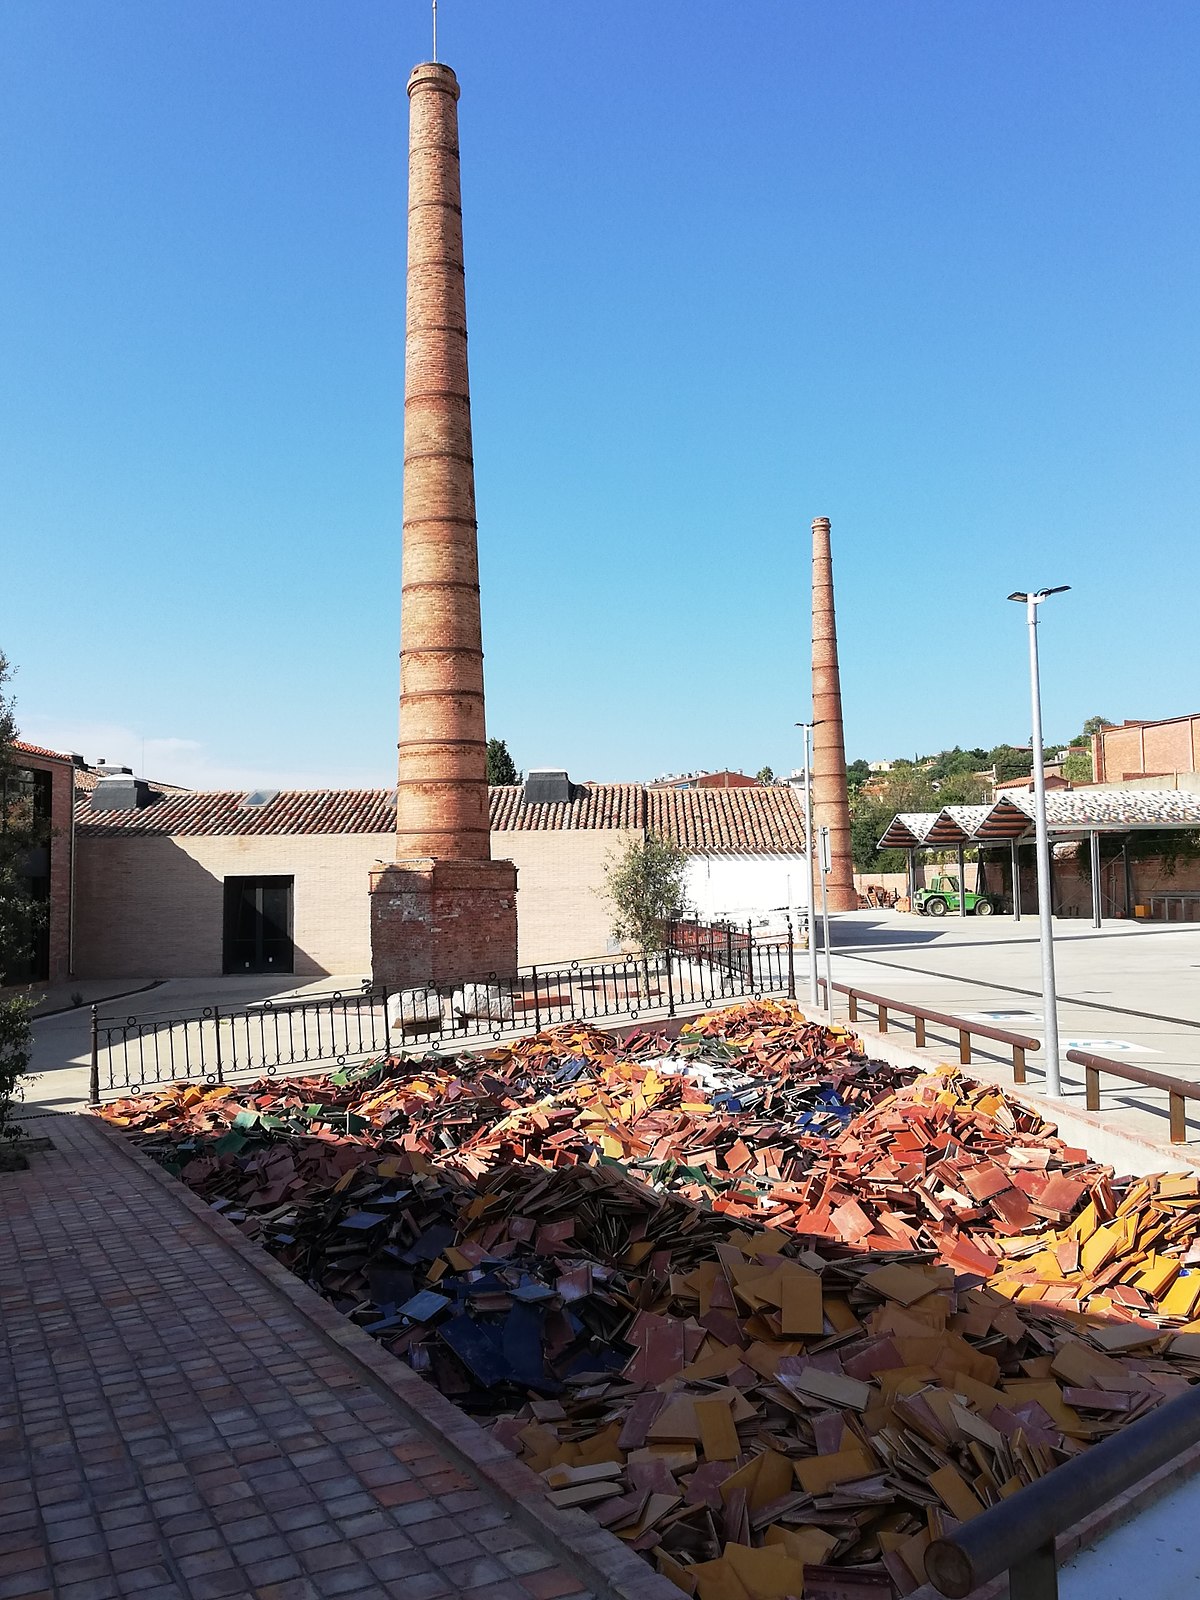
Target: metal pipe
(94, 1075)
(217, 1046)
(1007, 1535)
(1016, 880)
(826, 864)
(1041, 828)
(71, 885)
(1128, 879)
(962, 880)
(808, 864)
(1096, 907)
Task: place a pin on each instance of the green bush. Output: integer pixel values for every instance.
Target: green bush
(15, 1042)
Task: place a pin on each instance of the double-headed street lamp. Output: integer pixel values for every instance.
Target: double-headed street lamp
(1045, 910)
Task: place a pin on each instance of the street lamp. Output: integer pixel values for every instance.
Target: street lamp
(1031, 602)
(808, 866)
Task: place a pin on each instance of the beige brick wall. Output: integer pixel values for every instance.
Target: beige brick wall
(148, 906)
(154, 907)
(560, 915)
(1172, 746)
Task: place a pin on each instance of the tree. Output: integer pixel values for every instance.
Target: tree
(19, 832)
(951, 763)
(1078, 767)
(868, 818)
(905, 788)
(764, 775)
(645, 882)
(1093, 725)
(857, 773)
(1010, 763)
(501, 768)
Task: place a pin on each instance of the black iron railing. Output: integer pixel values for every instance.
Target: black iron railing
(218, 1044)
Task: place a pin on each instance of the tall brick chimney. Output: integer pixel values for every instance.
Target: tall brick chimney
(444, 910)
(831, 804)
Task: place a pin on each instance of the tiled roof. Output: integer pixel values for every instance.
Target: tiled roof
(46, 755)
(908, 828)
(1053, 781)
(954, 824)
(1117, 808)
(757, 821)
(191, 813)
(766, 819)
(595, 805)
(1067, 811)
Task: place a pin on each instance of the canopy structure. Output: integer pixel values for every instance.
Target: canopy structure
(1070, 814)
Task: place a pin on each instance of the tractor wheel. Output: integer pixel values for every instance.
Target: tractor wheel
(983, 908)
(937, 908)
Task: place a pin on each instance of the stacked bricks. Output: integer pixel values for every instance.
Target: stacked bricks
(444, 911)
(831, 805)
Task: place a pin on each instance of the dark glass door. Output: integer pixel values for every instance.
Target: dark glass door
(258, 925)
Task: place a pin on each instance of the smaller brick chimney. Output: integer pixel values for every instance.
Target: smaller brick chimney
(831, 802)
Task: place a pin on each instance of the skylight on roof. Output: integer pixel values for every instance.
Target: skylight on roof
(258, 797)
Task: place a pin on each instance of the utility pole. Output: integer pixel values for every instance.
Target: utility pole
(1041, 833)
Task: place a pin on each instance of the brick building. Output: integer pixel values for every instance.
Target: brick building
(725, 779)
(196, 884)
(43, 781)
(1169, 748)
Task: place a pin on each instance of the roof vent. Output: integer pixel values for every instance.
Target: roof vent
(547, 786)
(257, 798)
(118, 790)
(106, 771)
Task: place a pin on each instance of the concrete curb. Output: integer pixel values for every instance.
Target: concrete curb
(1127, 1152)
(596, 1556)
(86, 1005)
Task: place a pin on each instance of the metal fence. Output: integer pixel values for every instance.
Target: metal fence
(700, 966)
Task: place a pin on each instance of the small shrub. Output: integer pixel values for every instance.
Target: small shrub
(15, 1050)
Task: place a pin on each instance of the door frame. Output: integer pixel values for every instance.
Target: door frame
(234, 887)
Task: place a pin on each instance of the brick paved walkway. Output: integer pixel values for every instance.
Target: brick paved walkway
(175, 1423)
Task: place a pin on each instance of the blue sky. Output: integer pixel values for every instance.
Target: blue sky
(928, 269)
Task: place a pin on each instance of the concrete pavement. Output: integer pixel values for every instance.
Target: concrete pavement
(62, 1042)
(1128, 991)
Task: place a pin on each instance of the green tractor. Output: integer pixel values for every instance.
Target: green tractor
(941, 896)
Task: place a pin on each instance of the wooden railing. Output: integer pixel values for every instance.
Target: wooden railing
(1018, 1043)
(1179, 1090)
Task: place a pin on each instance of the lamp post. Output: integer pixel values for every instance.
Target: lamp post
(1031, 602)
(813, 992)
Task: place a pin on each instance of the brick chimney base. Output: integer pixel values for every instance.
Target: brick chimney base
(442, 921)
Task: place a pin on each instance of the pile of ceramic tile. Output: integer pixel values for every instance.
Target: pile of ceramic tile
(814, 1407)
(770, 1311)
(711, 1117)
